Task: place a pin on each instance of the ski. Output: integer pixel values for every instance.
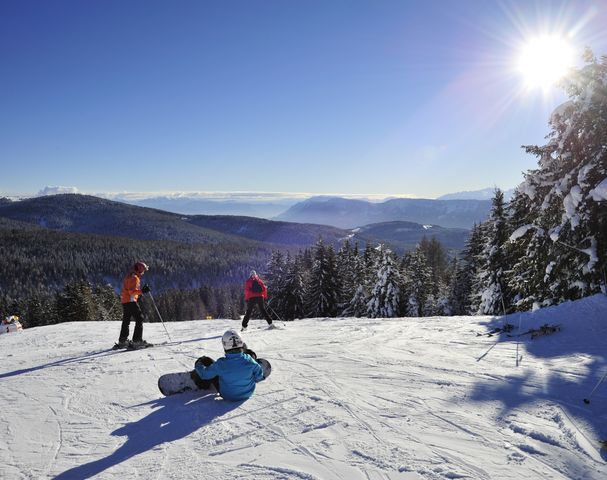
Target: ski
(545, 330)
(539, 332)
(505, 329)
(141, 346)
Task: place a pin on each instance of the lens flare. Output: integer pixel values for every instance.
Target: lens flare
(545, 60)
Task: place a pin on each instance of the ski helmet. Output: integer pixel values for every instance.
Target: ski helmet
(232, 340)
(140, 267)
(253, 273)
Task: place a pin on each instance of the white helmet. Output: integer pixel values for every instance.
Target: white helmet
(232, 340)
(253, 273)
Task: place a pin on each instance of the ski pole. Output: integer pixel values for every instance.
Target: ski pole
(275, 314)
(587, 400)
(518, 359)
(159, 316)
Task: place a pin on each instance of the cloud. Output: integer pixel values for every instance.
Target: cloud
(249, 197)
(54, 190)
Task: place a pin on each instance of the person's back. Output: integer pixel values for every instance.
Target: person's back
(237, 371)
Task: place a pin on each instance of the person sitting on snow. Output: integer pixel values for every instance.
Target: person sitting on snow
(234, 376)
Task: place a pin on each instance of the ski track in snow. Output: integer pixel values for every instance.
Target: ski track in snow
(348, 399)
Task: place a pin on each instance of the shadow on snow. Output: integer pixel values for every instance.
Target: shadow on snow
(94, 355)
(176, 417)
(584, 347)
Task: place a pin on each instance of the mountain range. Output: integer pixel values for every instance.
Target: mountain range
(348, 213)
(276, 206)
(76, 213)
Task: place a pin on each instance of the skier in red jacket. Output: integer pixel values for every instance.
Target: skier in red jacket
(255, 291)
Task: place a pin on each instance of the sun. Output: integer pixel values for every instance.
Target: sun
(545, 60)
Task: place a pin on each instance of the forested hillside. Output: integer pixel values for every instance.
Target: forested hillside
(39, 262)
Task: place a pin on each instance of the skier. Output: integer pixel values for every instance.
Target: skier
(234, 376)
(131, 292)
(255, 292)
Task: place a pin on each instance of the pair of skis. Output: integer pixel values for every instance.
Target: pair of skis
(545, 329)
(132, 346)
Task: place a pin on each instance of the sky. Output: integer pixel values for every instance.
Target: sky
(410, 98)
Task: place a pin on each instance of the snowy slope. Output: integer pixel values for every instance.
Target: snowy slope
(348, 399)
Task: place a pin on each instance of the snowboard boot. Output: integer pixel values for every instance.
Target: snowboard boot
(200, 383)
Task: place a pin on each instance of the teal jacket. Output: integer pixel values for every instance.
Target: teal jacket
(238, 373)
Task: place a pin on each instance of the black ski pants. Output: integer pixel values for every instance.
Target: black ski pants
(251, 302)
(131, 310)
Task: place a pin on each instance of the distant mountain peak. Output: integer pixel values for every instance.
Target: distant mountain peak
(483, 194)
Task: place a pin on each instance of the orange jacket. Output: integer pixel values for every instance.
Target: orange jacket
(131, 288)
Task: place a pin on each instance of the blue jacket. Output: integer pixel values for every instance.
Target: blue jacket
(237, 373)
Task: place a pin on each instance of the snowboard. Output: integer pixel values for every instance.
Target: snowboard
(172, 383)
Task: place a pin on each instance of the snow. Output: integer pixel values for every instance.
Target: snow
(599, 193)
(570, 204)
(526, 188)
(411, 398)
(521, 231)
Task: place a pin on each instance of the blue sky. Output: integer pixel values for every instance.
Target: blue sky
(355, 97)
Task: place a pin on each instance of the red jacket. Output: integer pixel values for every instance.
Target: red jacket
(248, 289)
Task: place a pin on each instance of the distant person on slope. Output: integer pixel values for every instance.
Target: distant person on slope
(131, 291)
(255, 292)
(234, 376)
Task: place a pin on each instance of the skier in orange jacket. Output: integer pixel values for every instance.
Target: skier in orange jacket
(129, 296)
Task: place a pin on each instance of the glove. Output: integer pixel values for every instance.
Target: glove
(205, 361)
(146, 288)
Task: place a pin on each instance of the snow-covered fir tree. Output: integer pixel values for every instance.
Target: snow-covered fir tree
(458, 291)
(294, 296)
(569, 190)
(323, 287)
(489, 284)
(357, 306)
(275, 280)
(437, 261)
(415, 275)
(347, 271)
(385, 299)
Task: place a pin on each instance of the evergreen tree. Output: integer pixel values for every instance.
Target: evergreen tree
(415, 283)
(323, 288)
(293, 304)
(458, 299)
(76, 303)
(385, 299)
(490, 279)
(276, 281)
(569, 188)
(469, 271)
